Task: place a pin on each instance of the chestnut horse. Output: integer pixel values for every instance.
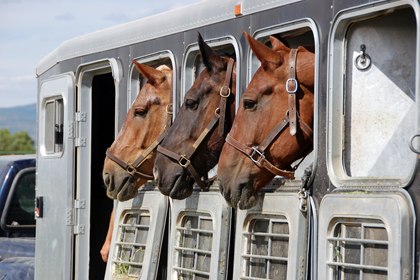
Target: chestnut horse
(273, 125)
(129, 160)
(195, 140)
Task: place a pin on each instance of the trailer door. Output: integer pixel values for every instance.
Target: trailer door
(54, 182)
(98, 86)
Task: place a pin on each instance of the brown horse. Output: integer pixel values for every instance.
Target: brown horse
(273, 126)
(129, 160)
(195, 140)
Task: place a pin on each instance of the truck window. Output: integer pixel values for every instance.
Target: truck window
(21, 211)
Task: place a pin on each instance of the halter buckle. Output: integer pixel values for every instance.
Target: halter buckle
(184, 161)
(257, 152)
(224, 91)
(295, 83)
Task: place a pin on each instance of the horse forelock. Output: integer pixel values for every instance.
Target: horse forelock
(163, 67)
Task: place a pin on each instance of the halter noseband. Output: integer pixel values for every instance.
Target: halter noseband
(133, 168)
(184, 160)
(291, 118)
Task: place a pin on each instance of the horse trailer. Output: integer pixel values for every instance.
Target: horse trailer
(352, 215)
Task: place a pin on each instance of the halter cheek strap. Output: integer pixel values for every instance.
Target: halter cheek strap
(291, 118)
(184, 159)
(292, 87)
(133, 168)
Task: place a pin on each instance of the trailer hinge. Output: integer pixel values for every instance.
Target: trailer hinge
(73, 214)
(79, 229)
(79, 204)
(80, 141)
(80, 116)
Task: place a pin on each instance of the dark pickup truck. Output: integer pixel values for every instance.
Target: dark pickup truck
(17, 221)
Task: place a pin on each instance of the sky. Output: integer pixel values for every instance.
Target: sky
(30, 29)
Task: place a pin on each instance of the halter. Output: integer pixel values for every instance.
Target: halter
(133, 168)
(291, 118)
(184, 160)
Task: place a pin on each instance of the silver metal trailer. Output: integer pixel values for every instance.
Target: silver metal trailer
(363, 194)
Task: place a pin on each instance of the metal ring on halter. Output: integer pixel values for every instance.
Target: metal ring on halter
(217, 111)
(184, 161)
(257, 152)
(131, 170)
(411, 144)
(224, 91)
(169, 109)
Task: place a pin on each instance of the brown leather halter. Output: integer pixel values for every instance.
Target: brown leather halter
(291, 118)
(219, 117)
(133, 168)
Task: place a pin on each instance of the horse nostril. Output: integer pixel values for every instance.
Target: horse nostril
(107, 179)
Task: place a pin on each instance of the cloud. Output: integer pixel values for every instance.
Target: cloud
(30, 29)
(65, 17)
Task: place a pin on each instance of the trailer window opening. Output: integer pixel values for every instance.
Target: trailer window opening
(54, 118)
(137, 80)
(193, 64)
(293, 38)
(373, 106)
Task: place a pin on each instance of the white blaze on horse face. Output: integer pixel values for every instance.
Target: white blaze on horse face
(155, 172)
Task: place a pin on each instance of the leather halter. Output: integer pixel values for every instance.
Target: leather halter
(291, 118)
(184, 159)
(133, 168)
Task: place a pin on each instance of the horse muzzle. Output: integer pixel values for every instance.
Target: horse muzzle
(238, 195)
(121, 188)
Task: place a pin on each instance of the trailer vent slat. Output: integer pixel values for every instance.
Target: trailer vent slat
(131, 244)
(193, 246)
(267, 246)
(359, 248)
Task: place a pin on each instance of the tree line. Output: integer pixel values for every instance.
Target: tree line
(18, 143)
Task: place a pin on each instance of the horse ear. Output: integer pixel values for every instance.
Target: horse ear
(210, 59)
(154, 76)
(267, 56)
(278, 45)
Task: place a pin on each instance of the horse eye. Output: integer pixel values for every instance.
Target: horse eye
(140, 112)
(250, 104)
(191, 104)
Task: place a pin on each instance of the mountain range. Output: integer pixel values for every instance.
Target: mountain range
(20, 118)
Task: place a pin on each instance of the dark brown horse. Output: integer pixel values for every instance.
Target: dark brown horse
(273, 126)
(129, 160)
(195, 140)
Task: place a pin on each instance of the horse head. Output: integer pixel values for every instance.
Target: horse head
(129, 161)
(195, 140)
(273, 125)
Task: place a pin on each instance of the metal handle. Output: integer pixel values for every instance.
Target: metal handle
(363, 60)
(414, 150)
